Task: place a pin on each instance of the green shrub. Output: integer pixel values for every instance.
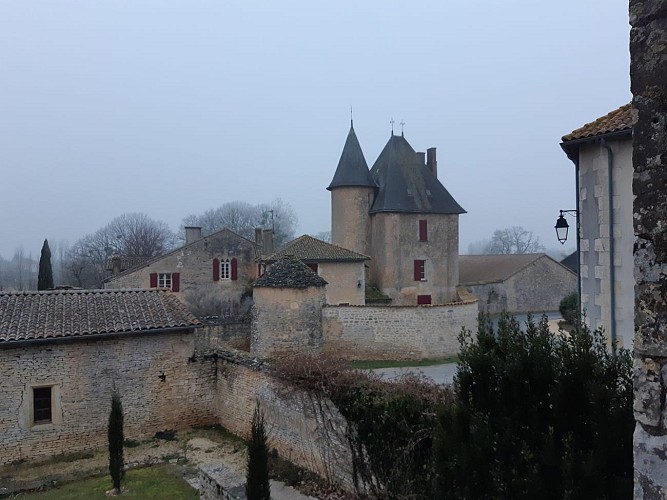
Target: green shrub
(569, 308)
(536, 416)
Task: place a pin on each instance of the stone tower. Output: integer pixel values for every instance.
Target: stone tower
(352, 193)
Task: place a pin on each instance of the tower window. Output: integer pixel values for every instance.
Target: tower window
(420, 270)
(423, 230)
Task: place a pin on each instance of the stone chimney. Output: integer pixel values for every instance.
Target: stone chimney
(267, 241)
(431, 162)
(258, 236)
(115, 264)
(192, 234)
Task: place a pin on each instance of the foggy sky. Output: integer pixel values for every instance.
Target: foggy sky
(175, 107)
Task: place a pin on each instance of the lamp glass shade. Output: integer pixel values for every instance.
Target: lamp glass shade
(561, 229)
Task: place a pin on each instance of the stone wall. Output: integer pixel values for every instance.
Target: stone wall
(540, 286)
(401, 332)
(296, 427)
(648, 71)
(346, 282)
(82, 374)
(286, 320)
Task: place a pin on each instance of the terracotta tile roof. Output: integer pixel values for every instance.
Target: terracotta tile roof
(622, 118)
(126, 262)
(77, 313)
(289, 272)
(477, 269)
(309, 249)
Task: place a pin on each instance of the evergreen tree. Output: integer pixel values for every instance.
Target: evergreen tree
(257, 478)
(116, 463)
(45, 277)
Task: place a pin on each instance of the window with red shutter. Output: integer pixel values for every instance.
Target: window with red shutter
(423, 299)
(216, 269)
(175, 282)
(235, 272)
(423, 230)
(153, 280)
(313, 266)
(420, 270)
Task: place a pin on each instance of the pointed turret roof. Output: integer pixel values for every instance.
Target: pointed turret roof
(406, 184)
(352, 168)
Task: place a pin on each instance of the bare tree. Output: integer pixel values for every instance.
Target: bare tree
(514, 239)
(323, 235)
(243, 217)
(131, 235)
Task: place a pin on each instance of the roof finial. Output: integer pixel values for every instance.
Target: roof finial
(392, 126)
(402, 123)
(351, 119)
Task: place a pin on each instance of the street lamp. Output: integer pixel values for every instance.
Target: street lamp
(562, 226)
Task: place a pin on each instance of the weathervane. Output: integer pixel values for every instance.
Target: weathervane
(392, 126)
(401, 124)
(351, 119)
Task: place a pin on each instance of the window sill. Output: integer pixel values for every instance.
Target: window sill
(42, 426)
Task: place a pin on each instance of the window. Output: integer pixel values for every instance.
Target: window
(313, 266)
(166, 280)
(420, 270)
(41, 405)
(225, 269)
(423, 299)
(423, 230)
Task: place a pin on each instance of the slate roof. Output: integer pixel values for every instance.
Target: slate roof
(479, 269)
(307, 248)
(618, 120)
(211, 236)
(289, 272)
(83, 313)
(406, 184)
(352, 168)
(571, 262)
(126, 262)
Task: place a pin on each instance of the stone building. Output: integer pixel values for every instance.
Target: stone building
(602, 155)
(517, 283)
(63, 352)
(210, 274)
(287, 310)
(342, 269)
(401, 216)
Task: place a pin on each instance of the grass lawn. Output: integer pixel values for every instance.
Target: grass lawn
(370, 365)
(161, 481)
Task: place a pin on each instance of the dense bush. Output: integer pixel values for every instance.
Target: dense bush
(536, 416)
(257, 474)
(115, 434)
(569, 308)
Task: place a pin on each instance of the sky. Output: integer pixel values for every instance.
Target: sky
(172, 108)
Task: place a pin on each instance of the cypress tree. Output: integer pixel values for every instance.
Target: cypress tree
(257, 478)
(45, 277)
(116, 463)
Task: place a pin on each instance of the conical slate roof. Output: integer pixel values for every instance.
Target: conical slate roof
(352, 168)
(289, 272)
(406, 184)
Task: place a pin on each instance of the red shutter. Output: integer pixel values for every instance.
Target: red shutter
(153, 280)
(418, 270)
(175, 282)
(423, 230)
(216, 270)
(423, 299)
(234, 269)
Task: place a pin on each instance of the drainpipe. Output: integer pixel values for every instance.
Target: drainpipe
(612, 270)
(578, 215)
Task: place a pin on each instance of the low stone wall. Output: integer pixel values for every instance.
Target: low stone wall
(308, 431)
(396, 332)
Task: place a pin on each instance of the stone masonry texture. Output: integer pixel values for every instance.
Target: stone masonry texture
(648, 71)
